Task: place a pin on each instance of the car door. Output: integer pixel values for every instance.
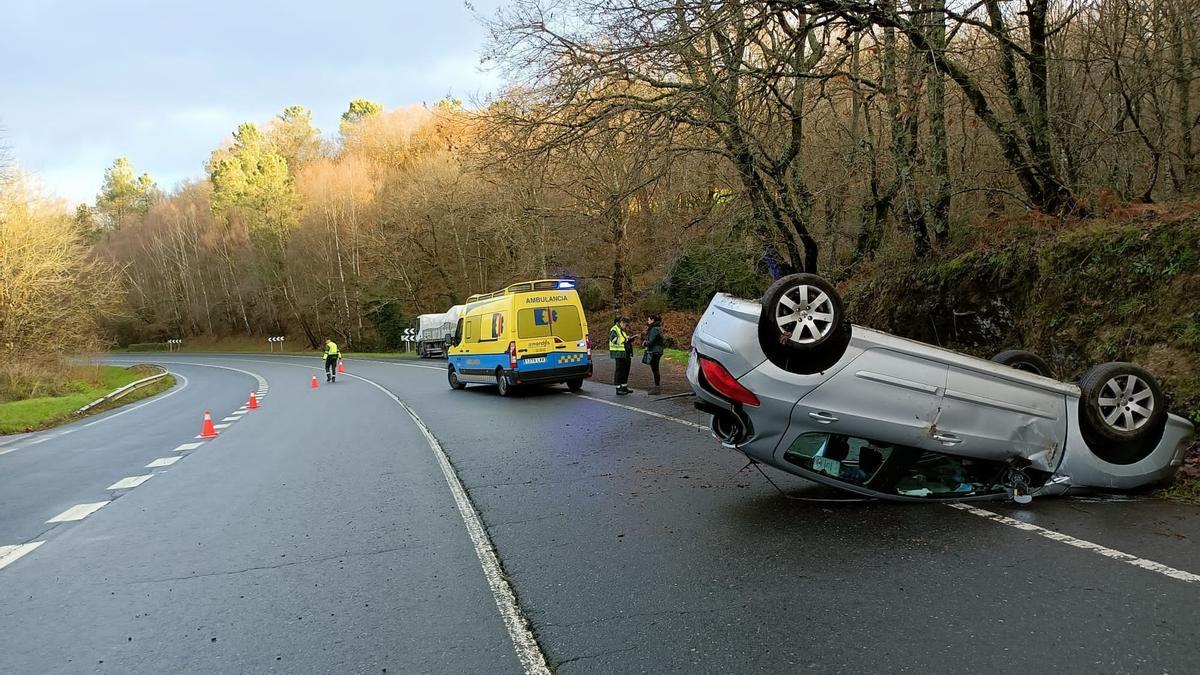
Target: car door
(886, 395)
(989, 416)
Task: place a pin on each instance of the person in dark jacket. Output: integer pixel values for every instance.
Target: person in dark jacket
(655, 345)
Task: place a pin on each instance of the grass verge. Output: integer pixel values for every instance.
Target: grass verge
(34, 414)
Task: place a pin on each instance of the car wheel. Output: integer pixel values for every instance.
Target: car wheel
(502, 386)
(1122, 412)
(575, 384)
(455, 383)
(802, 327)
(1023, 360)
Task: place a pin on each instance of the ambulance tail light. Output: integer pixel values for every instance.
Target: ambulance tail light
(512, 356)
(723, 383)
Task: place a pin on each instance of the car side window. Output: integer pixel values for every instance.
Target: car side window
(894, 469)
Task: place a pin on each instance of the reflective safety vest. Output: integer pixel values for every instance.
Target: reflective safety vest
(331, 349)
(616, 341)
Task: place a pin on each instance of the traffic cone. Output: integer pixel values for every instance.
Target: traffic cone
(341, 367)
(207, 431)
(314, 384)
(252, 404)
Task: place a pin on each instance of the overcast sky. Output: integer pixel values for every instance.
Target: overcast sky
(163, 82)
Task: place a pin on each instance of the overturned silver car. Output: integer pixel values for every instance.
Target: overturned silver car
(790, 383)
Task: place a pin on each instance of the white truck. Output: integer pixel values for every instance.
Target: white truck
(434, 332)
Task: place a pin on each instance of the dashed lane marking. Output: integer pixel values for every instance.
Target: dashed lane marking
(130, 482)
(1082, 543)
(162, 461)
(231, 419)
(239, 412)
(188, 446)
(11, 554)
(222, 426)
(77, 512)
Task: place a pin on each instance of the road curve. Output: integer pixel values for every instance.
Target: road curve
(322, 534)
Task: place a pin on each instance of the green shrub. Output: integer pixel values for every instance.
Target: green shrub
(714, 266)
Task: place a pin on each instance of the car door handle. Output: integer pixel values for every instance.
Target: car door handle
(822, 417)
(947, 439)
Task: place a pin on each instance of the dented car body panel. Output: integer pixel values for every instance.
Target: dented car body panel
(903, 420)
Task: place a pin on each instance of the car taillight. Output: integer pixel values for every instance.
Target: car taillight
(512, 356)
(724, 383)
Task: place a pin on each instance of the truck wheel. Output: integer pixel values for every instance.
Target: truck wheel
(575, 384)
(802, 327)
(1023, 360)
(502, 386)
(455, 383)
(1122, 412)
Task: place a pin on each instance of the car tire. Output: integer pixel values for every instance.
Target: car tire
(1122, 412)
(502, 386)
(802, 327)
(1023, 360)
(455, 383)
(575, 384)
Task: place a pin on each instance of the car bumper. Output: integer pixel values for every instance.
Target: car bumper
(546, 375)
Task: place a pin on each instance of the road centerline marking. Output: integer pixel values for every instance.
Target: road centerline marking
(188, 446)
(223, 426)
(1067, 539)
(163, 461)
(12, 553)
(130, 482)
(77, 512)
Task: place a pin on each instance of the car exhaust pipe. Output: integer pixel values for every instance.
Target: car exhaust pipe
(728, 429)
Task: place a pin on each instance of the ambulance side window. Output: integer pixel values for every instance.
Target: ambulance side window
(471, 331)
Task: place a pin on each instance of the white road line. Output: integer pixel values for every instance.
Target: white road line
(130, 482)
(231, 419)
(239, 412)
(162, 461)
(528, 652)
(1011, 522)
(1081, 543)
(686, 423)
(188, 446)
(11, 554)
(222, 426)
(77, 512)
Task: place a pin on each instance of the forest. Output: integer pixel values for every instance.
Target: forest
(962, 169)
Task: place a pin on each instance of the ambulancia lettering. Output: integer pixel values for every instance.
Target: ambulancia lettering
(537, 300)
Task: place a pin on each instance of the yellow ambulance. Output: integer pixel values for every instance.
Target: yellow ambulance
(533, 332)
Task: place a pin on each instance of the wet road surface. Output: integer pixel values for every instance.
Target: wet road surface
(322, 533)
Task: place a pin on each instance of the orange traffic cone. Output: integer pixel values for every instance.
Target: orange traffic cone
(207, 431)
(341, 367)
(252, 404)
(314, 384)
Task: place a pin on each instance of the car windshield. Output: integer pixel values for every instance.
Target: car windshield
(894, 469)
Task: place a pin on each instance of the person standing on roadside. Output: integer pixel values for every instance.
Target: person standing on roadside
(620, 348)
(331, 360)
(655, 345)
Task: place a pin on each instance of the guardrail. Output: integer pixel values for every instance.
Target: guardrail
(118, 393)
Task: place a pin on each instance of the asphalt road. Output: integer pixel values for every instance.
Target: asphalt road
(326, 532)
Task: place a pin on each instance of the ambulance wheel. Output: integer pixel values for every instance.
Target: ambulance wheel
(575, 384)
(802, 327)
(455, 383)
(502, 385)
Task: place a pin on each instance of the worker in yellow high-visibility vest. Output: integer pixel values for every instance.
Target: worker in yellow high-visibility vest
(331, 360)
(620, 347)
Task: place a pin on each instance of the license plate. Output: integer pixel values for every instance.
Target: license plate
(540, 359)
